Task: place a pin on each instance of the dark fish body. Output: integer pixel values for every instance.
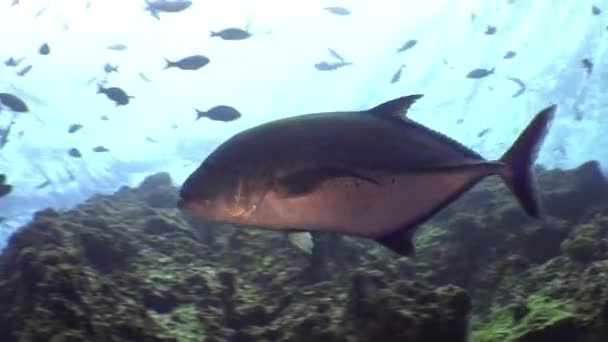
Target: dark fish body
(397, 76)
(490, 30)
(194, 62)
(337, 10)
(231, 34)
(520, 83)
(219, 113)
(43, 184)
(168, 6)
(11, 62)
(118, 47)
(118, 95)
(480, 73)
(13, 103)
(108, 68)
(595, 10)
(374, 174)
(74, 128)
(25, 70)
(74, 153)
(327, 66)
(407, 45)
(587, 64)
(509, 55)
(100, 149)
(44, 49)
(483, 133)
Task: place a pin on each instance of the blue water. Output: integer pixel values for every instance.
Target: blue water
(272, 75)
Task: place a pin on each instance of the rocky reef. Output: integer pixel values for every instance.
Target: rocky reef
(130, 267)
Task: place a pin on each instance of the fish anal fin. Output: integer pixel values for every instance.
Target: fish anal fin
(395, 108)
(399, 241)
(305, 181)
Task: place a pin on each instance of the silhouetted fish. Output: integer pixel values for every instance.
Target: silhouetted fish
(74, 128)
(74, 153)
(44, 49)
(118, 47)
(326, 66)
(520, 83)
(167, 6)
(108, 68)
(397, 76)
(407, 45)
(11, 62)
(194, 62)
(480, 73)
(118, 95)
(373, 173)
(13, 103)
(231, 34)
(490, 30)
(219, 113)
(587, 65)
(595, 10)
(510, 54)
(337, 10)
(25, 70)
(100, 149)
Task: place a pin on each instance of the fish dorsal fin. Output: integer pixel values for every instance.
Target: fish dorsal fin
(395, 108)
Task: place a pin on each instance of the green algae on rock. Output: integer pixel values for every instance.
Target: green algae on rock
(128, 267)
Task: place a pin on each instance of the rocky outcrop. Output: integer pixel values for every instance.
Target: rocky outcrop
(130, 267)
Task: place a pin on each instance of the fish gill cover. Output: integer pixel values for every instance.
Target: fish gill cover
(101, 66)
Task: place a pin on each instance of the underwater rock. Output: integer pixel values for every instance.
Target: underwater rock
(574, 192)
(119, 268)
(130, 267)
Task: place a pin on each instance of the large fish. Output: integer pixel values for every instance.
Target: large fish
(374, 174)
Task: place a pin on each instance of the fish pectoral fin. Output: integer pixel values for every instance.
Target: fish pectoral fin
(399, 241)
(302, 240)
(306, 181)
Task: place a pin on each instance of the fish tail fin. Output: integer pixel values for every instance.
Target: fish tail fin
(213, 34)
(519, 160)
(169, 64)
